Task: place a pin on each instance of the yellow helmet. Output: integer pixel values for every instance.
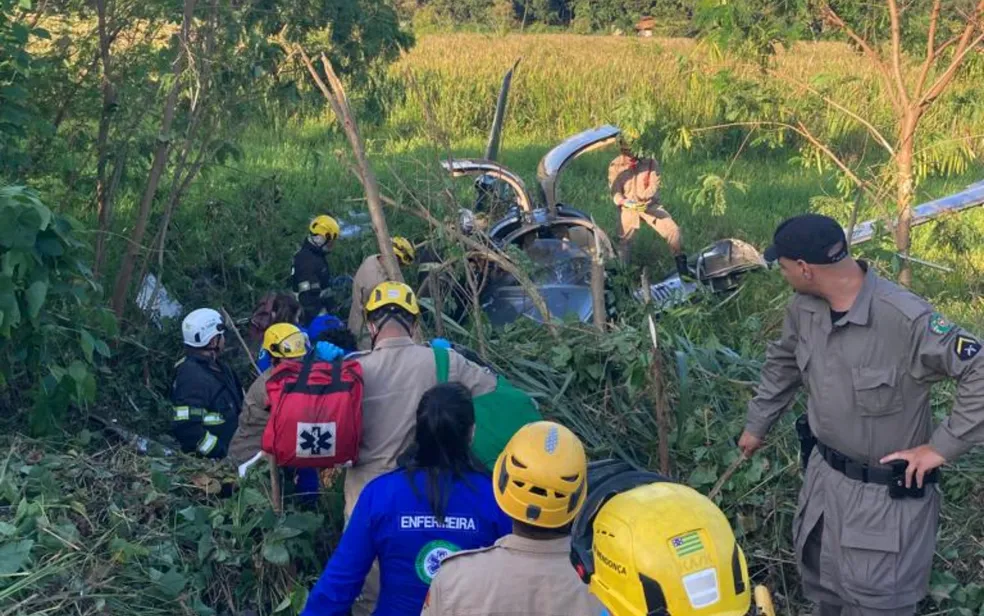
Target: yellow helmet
(540, 477)
(285, 340)
(403, 250)
(658, 548)
(325, 226)
(394, 294)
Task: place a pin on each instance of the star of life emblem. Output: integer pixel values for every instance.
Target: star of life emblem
(315, 440)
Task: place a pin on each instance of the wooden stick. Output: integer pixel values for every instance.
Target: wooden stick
(235, 330)
(598, 284)
(726, 476)
(275, 492)
(662, 415)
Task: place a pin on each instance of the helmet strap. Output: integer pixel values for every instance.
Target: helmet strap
(390, 316)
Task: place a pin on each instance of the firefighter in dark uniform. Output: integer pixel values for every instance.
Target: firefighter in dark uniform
(868, 352)
(206, 394)
(310, 275)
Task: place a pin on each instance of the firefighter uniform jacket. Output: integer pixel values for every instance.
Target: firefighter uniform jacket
(309, 277)
(369, 274)
(514, 576)
(207, 397)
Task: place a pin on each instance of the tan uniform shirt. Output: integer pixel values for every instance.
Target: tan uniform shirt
(514, 577)
(636, 182)
(869, 379)
(367, 277)
(395, 376)
(248, 439)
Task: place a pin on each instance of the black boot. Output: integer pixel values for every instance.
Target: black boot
(682, 267)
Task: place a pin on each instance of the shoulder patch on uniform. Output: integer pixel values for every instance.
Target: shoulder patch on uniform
(938, 324)
(430, 557)
(965, 347)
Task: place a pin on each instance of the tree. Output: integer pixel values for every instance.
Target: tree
(950, 36)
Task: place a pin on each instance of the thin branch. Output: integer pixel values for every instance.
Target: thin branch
(871, 128)
(804, 132)
(934, 19)
(886, 75)
(893, 11)
(963, 48)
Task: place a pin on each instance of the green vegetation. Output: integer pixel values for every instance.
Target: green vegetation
(87, 525)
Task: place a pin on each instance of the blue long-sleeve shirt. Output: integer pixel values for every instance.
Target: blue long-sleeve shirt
(393, 523)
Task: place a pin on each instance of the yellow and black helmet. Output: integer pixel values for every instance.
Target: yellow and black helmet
(647, 546)
(540, 478)
(390, 295)
(285, 340)
(325, 226)
(404, 250)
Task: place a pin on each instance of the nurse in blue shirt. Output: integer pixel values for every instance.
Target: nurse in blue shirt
(439, 501)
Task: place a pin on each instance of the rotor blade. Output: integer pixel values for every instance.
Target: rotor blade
(492, 149)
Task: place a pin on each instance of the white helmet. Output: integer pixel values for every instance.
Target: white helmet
(200, 326)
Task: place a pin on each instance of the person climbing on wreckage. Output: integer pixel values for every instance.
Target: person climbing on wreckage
(634, 184)
(438, 502)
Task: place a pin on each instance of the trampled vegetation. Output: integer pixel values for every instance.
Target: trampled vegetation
(89, 526)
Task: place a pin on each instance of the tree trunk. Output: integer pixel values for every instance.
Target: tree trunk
(905, 187)
(103, 196)
(161, 152)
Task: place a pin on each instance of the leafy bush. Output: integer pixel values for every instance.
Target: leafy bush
(47, 295)
(94, 529)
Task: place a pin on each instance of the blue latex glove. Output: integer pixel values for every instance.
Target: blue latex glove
(440, 343)
(263, 360)
(326, 351)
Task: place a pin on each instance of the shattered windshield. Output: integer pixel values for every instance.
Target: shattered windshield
(561, 272)
(558, 261)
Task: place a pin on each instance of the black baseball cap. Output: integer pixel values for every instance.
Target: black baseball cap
(812, 238)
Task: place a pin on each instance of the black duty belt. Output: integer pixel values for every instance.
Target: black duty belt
(865, 473)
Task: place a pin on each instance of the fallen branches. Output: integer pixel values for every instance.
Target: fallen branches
(339, 103)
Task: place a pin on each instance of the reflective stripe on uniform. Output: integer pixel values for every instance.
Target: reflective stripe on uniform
(307, 285)
(185, 413)
(207, 443)
(213, 419)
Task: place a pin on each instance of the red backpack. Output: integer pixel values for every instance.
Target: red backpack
(315, 413)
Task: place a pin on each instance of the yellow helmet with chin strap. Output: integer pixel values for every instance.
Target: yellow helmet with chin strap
(326, 227)
(658, 549)
(540, 478)
(285, 341)
(392, 295)
(404, 250)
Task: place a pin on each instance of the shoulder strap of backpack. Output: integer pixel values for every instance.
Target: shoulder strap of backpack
(301, 385)
(443, 362)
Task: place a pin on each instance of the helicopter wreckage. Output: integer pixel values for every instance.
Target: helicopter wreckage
(559, 241)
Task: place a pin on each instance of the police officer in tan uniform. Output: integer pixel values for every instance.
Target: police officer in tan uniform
(540, 481)
(366, 278)
(867, 352)
(396, 373)
(635, 185)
